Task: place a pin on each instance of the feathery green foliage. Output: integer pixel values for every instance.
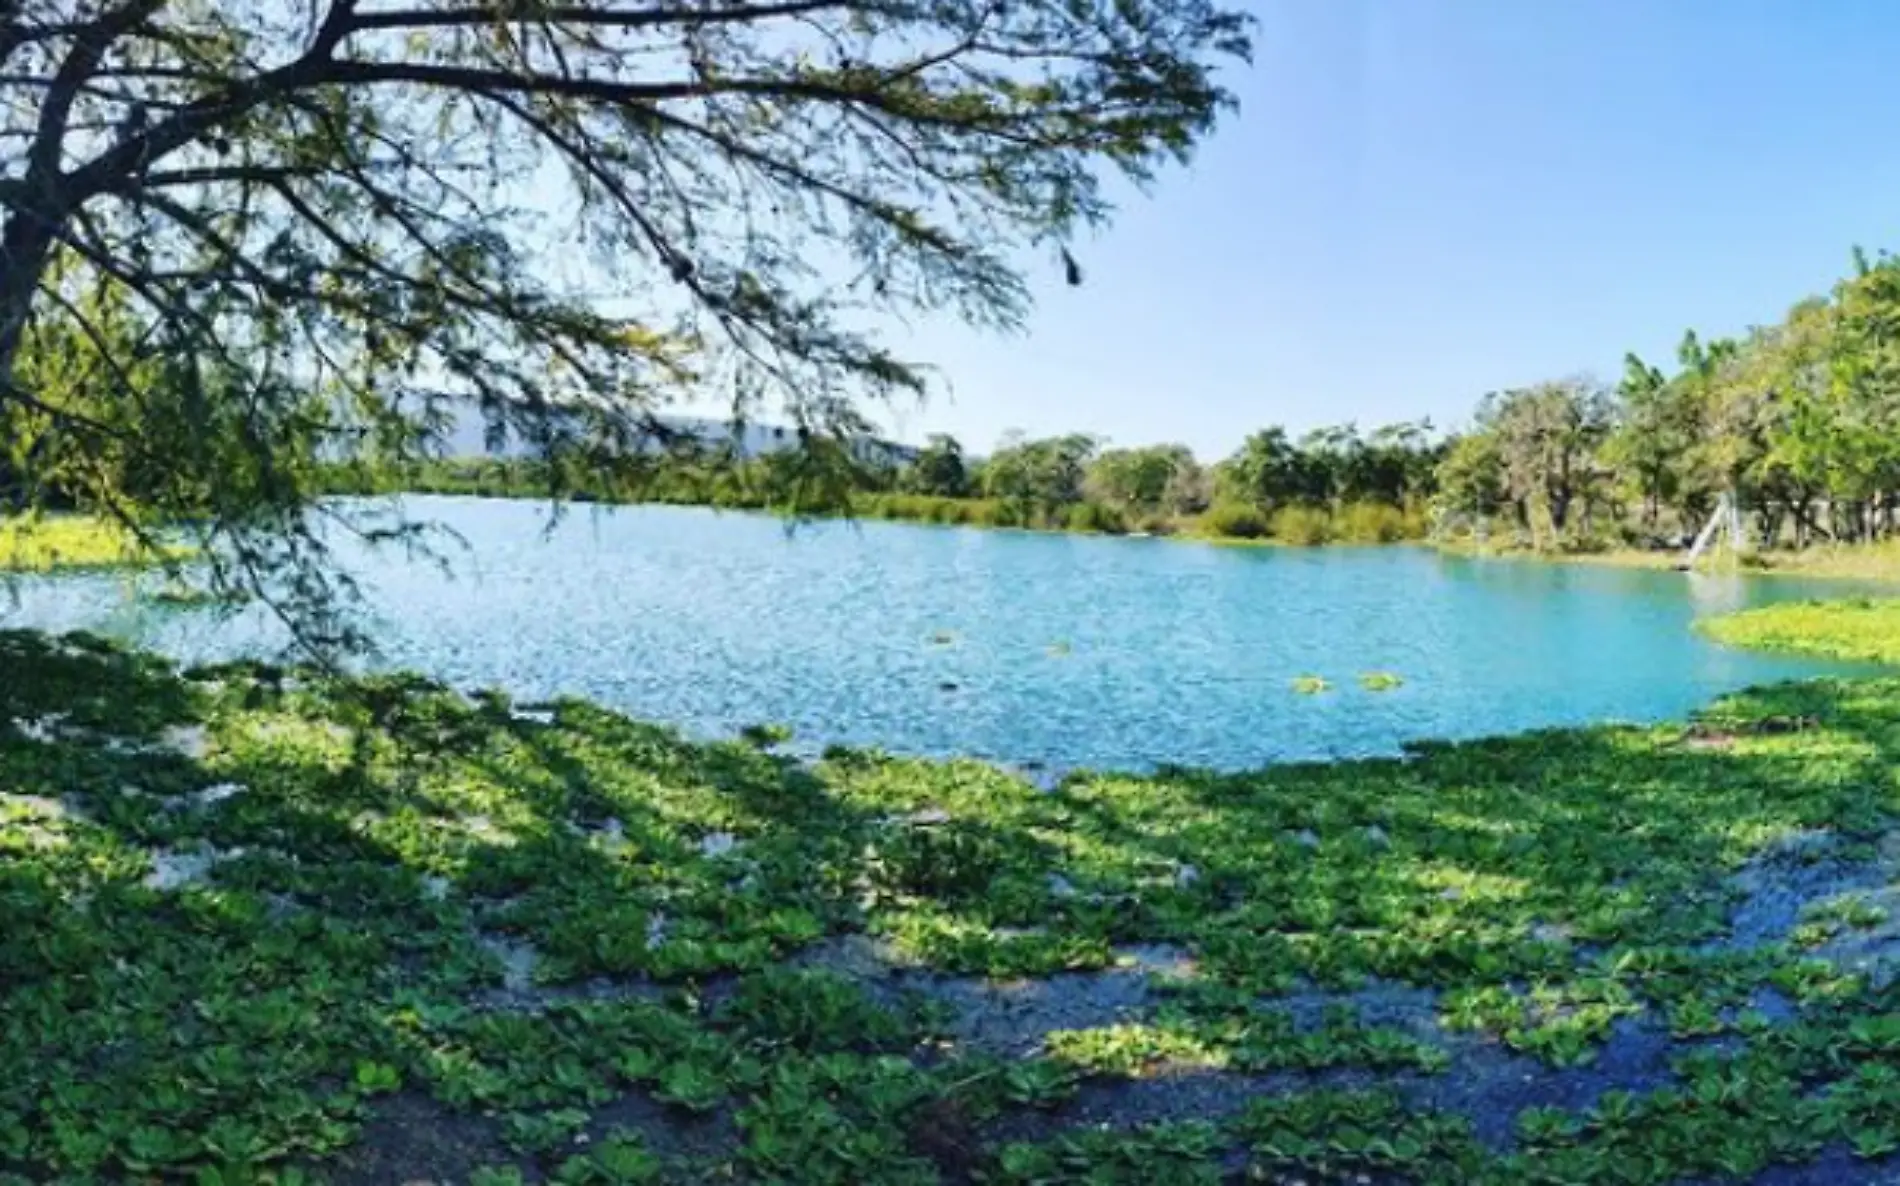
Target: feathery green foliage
(239, 239)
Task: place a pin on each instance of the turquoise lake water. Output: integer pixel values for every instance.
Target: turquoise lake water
(1064, 650)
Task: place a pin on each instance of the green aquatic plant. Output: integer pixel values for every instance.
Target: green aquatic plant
(766, 736)
(1354, 1135)
(695, 1087)
(1862, 629)
(814, 1009)
(1380, 681)
(622, 1159)
(1059, 649)
(1847, 910)
(285, 903)
(374, 1078)
(543, 1132)
(1038, 1083)
(1187, 1153)
(1311, 685)
(943, 638)
(1131, 1051)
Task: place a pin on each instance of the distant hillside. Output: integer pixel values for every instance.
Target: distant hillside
(469, 438)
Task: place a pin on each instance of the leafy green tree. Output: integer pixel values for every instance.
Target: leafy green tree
(1397, 465)
(1324, 464)
(939, 469)
(1656, 425)
(1727, 409)
(1264, 472)
(1470, 477)
(1860, 393)
(1547, 436)
(1045, 474)
(315, 207)
(1190, 489)
(1141, 479)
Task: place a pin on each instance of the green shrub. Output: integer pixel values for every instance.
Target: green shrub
(1003, 513)
(1304, 526)
(1586, 545)
(1372, 523)
(972, 512)
(1094, 516)
(1235, 520)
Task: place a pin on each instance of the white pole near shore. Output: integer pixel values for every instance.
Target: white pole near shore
(1728, 513)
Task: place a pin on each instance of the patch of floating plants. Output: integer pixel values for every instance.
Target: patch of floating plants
(284, 926)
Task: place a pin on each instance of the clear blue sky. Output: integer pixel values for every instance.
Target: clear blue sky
(1423, 200)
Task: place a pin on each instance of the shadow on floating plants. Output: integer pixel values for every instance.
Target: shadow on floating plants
(376, 930)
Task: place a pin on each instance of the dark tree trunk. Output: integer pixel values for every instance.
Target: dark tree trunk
(1771, 518)
(1559, 509)
(26, 247)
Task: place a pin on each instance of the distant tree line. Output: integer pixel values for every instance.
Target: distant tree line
(1333, 484)
(1798, 422)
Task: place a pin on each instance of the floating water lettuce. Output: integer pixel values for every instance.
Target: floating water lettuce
(767, 735)
(419, 890)
(1856, 629)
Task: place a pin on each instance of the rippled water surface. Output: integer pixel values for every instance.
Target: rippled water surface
(1059, 649)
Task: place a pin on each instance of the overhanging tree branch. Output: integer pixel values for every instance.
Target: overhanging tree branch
(306, 210)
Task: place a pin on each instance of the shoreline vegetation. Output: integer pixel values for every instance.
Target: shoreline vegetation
(1293, 526)
(1874, 562)
(1862, 630)
(1790, 424)
(1364, 522)
(1786, 438)
(1787, 434)
(78, 542)
(371, 929)
(47, 543)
